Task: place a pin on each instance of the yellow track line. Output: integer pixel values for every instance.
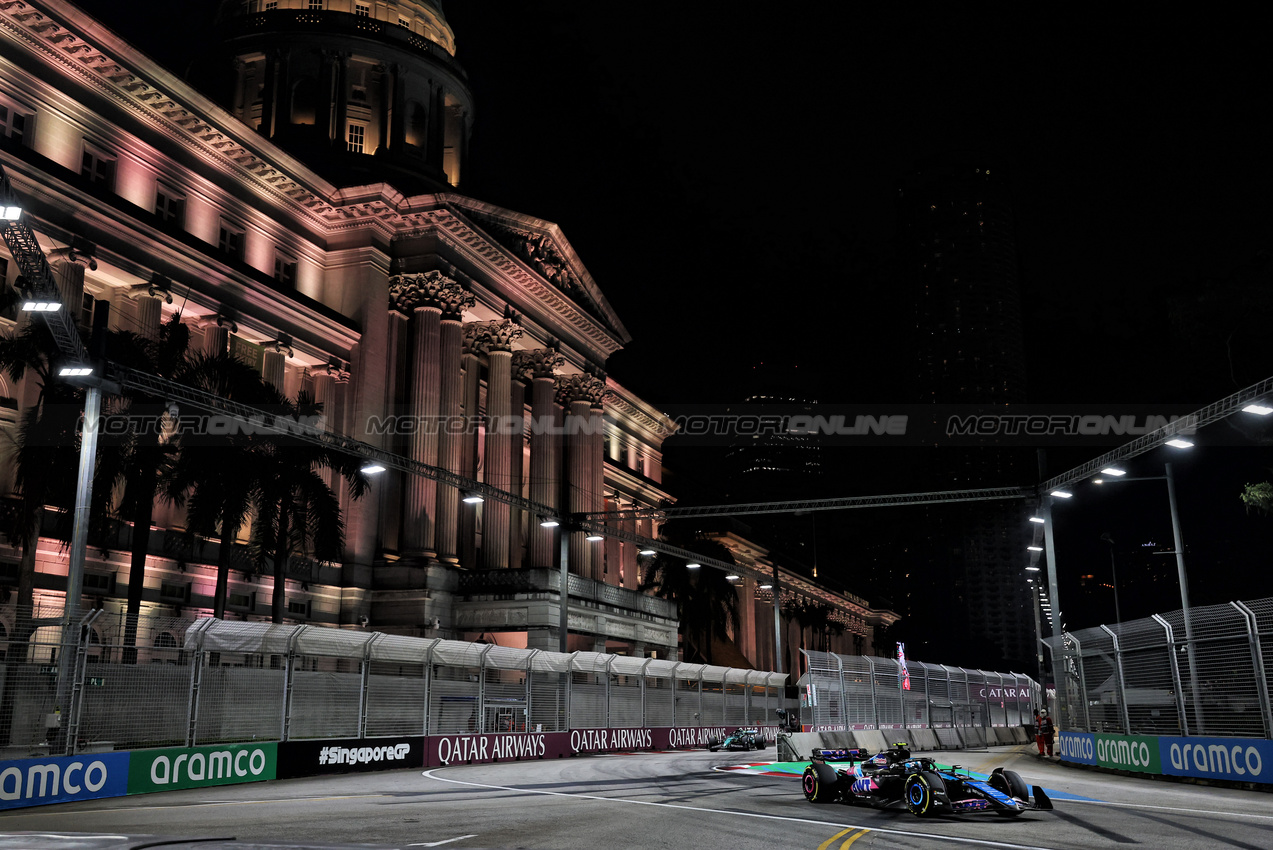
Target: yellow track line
(824, 845)
(847, 841)
(853, 838)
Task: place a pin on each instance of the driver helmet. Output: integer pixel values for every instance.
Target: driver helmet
(901, 751)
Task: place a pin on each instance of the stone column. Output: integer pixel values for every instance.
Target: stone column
(613, 547)
(747, 617)
(450, 412)
(324, 395)
(499, 439)
(150, 299)
(594, 483)
(238, 102)
(631, 572)
(398, 123)
(545, 436)
(216, 335)
(516, 472)
(78, 259)
(341, 77)
(471, 393)
(437, 128)
(384, 108)
(324, 108)
(575, 392)
(268, 97)
(276, 353)
(421, 296)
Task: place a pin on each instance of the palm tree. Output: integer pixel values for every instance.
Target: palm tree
(215, 475)
(295, 512)
(816, 617)
(136, 461)
(706, 601)
(45, 461)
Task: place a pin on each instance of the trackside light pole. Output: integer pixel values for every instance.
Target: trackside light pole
(1179, 545)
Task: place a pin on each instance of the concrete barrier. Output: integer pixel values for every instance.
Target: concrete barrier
(949, 739)
(1019, 735)
(802, 745)
(838, 740)
(923, 739)
(972, 736)
(1002, 735)
(871, 740)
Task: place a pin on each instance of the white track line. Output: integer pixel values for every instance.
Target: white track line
(1170, 809)
(203, 804)
(883, 831)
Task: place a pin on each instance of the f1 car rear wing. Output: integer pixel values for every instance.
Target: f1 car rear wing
(823, 755)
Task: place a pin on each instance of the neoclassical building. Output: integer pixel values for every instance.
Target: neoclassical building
(298, 204)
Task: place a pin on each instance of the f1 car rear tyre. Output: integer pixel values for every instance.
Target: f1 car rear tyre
(919, 793)
(817, 786)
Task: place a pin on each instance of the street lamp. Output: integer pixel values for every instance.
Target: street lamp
(1113, 571)
(1181, 576)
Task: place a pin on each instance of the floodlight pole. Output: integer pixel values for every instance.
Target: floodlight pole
(1179, 544)
(79, 547)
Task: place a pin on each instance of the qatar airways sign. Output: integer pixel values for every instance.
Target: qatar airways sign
(1003, 693)
(445, 750)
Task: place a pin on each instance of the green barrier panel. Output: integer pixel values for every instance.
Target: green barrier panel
(197, 767)
(1128, 752)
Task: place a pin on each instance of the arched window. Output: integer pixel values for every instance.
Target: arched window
(417, 126)
(305, 101)
(165, 642)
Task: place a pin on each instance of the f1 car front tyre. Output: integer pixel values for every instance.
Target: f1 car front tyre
(919, 793)
(817, 786)
(1010, 782)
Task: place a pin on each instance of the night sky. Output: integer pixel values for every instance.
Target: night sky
(728, 173)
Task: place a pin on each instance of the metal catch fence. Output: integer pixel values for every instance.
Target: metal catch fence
(1159, 676)
(862, 692)
(203, 681)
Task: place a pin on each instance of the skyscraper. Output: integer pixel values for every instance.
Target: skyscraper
(957, 252)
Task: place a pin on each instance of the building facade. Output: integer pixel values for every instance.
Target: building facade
(298, 206)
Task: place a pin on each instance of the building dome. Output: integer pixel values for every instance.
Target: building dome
(360, 90)
(421, 17)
